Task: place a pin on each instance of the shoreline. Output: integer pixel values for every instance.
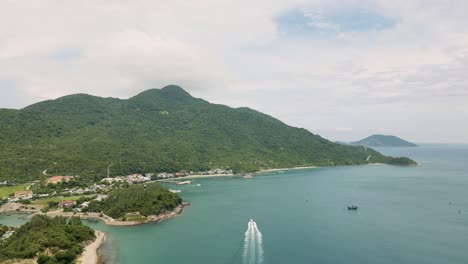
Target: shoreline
(149, 220)
(232, 175)
(113, 222)
(287, 169)
(198, 176)
(104, 218)
(90, 253)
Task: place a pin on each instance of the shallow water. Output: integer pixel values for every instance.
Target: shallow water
(405, 215)
(13, 219)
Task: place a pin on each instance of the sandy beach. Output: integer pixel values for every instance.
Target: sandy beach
(196, 177)
(90, 253)
(285, 169)
(230, 175)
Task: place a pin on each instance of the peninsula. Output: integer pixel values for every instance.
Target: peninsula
(47, 240)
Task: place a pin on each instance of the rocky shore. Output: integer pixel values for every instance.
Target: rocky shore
(14, 208)
(150, 219)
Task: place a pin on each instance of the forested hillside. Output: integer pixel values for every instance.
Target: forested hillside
(52, 240)
(150, 199)
(158, 130)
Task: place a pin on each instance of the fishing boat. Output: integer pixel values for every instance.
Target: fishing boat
(248, 176)
(183, 182)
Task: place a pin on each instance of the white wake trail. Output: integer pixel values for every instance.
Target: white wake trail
(253, 245)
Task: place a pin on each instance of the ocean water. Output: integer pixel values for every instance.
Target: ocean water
(406, 215)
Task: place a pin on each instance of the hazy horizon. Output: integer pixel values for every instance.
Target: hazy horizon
(341, 69)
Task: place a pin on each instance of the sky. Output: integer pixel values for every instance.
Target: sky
(341, 69)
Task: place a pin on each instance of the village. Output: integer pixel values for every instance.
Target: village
(61, 195)
(74, 194)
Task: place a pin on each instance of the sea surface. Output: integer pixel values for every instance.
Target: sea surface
(406, 215)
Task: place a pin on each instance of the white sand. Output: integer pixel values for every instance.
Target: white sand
(196, 177)
(90, 254)
(286, 169)
(230, 175)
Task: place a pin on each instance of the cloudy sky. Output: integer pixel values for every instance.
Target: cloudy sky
(342, 69)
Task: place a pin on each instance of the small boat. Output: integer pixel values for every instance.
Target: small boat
(183, 182)
(352, 208)
(175, 191)
(248, 176)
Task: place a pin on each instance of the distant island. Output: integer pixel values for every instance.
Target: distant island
(383, 141)
(159, 130)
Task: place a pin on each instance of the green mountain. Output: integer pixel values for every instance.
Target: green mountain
(384, 141)
(158, 130)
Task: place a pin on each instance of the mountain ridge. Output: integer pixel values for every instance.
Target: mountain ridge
(158, 130)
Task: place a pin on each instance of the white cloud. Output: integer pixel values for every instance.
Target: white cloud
(406, 79)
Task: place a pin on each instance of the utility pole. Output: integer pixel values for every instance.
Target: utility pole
(108, 170)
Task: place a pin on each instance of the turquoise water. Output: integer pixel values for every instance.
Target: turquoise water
(406, 215)
(13, 219)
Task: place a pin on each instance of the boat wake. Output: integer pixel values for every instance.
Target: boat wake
(253, 245)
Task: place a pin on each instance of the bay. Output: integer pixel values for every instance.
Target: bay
(406, 215)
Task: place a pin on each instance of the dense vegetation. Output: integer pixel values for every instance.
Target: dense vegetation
(148, 199)
(157, 130)
(384, 141)
(53, 240)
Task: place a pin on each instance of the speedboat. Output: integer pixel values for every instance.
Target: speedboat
(251, 224)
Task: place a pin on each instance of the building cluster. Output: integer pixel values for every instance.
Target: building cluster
(80, 207)
(165, 175)
(134, 178)
(24, 194)
(58, 179)
(8, 234)
(28, 194)
(21, 195)
(90, 189)
(66, 203)
(215, 172)
(106, 183)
